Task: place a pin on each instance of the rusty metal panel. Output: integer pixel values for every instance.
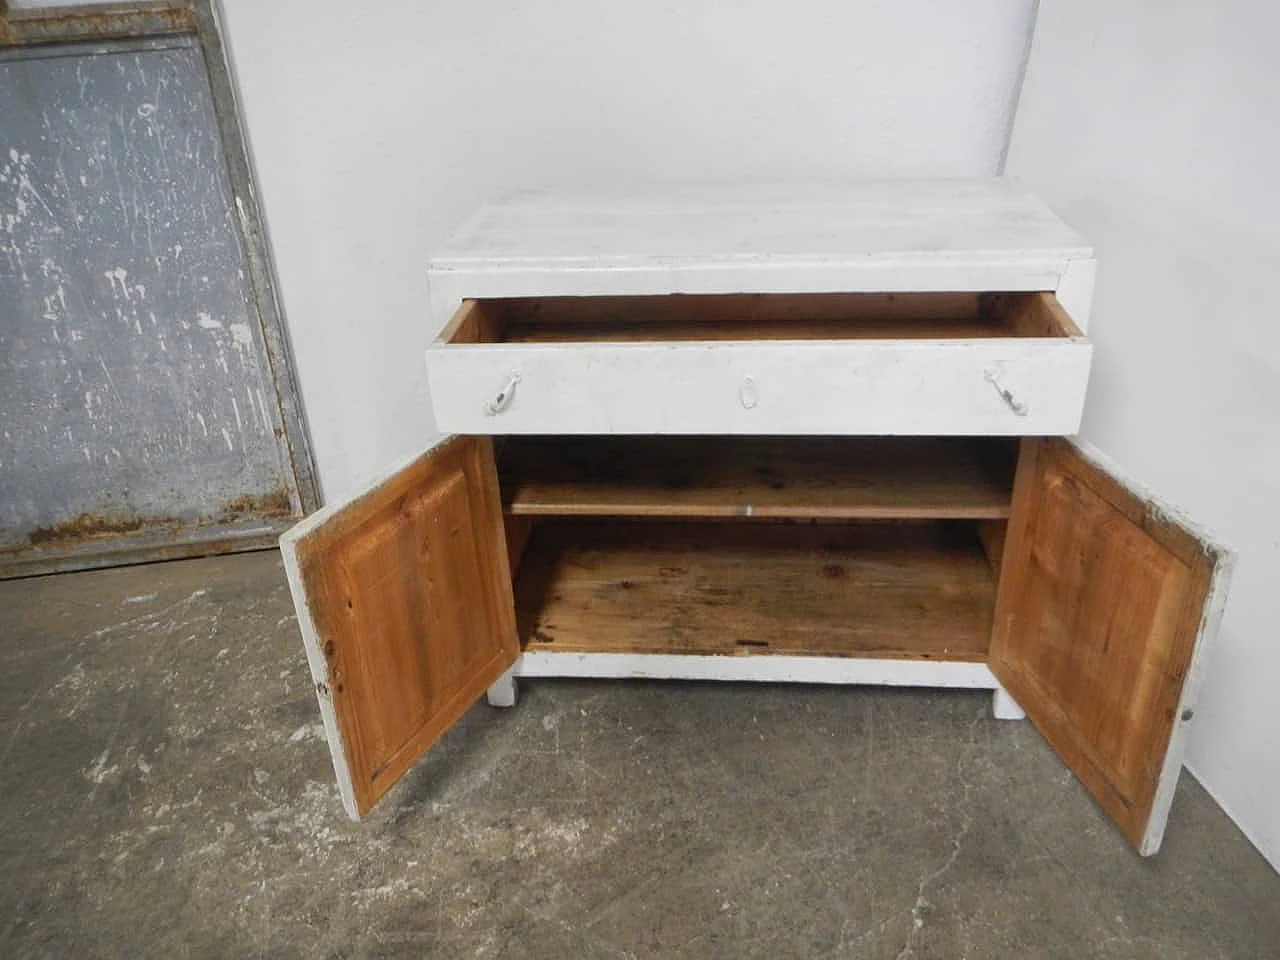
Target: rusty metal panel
(146, 409)
(104, 21)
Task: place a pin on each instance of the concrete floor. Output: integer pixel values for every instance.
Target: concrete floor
(166, 793)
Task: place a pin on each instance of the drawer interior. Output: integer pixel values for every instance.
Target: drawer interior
(747, 317)
(875, 547)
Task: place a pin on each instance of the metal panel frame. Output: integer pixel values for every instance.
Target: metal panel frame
(198, 18)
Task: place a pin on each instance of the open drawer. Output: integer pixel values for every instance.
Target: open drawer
(781, 364)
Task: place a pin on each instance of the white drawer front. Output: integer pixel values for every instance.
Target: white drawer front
(1013, 386)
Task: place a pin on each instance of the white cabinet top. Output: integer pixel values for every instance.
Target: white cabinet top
(917, 220)
(867, 236)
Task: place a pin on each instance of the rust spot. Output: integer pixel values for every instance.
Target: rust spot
(273, 504)
(84, 527)
(62, 25)
(62, 556)
(91, 526)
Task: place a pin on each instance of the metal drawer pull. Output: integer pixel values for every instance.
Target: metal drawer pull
(1016, 405)
(503, 400)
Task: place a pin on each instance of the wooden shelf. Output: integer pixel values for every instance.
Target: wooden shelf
(917, 591)
(727, 477)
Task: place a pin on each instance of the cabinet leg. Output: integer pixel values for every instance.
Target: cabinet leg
(504, 692)
(1004, 707)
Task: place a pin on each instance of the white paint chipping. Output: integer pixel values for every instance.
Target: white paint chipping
(118, 277)
(264, 418)
(241, 336)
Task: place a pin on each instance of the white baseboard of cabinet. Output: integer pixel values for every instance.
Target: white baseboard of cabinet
(766, 669)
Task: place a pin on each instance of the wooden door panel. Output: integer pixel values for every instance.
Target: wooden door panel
(1105, 604)
(405, 600)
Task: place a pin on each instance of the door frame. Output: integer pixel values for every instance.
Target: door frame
(119, 23)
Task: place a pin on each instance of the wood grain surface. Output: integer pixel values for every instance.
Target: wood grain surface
(706, 477)
(1097, 617)
(911, 590)
(408, 590)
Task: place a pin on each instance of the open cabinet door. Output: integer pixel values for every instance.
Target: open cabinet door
(404, 600)
(1106, 606)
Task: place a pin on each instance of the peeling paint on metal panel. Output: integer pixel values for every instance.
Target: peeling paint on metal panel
(134, 346)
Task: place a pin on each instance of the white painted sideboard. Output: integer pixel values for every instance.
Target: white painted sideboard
(804, 433)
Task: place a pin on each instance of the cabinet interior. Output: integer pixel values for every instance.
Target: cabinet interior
(749, 317)
(885, 547)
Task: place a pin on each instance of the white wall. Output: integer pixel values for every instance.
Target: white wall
(376, 127)
(1155, 130)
